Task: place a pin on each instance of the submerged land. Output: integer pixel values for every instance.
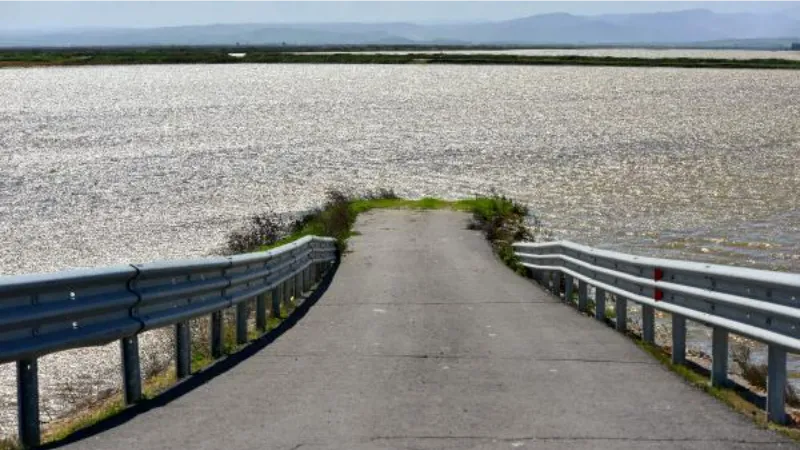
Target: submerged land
(351, 55)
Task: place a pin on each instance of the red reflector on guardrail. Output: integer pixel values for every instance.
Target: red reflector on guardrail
(658, 274)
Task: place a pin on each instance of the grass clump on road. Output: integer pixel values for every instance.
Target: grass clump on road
(502, 220)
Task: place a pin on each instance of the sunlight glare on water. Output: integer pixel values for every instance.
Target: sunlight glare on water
(104, 165)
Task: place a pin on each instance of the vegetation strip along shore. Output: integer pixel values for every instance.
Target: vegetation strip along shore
(173, 55)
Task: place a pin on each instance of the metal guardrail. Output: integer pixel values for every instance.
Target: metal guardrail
(758, 304)
(47, 313)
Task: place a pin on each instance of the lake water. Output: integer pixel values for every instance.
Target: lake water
(105, 165)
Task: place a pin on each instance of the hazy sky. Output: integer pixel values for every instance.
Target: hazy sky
(50, 15)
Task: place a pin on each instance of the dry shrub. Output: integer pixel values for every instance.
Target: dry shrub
(756, 374)
(261, 230)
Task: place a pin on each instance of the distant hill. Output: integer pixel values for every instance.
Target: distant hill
(667, 28)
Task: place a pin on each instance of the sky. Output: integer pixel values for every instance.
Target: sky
(62, 15)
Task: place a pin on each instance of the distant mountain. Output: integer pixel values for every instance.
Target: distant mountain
(675, 28)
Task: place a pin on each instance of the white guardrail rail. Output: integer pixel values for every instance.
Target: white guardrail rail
(758, 304)
(46, 313)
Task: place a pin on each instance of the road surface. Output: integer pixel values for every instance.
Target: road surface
(424, 340)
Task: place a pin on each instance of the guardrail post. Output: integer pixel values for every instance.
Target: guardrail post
(600, 304)
(312, 270)
(569, 284)
(216, 334)
(28, 402)
(241, 322)
(583, 296)
(298, 286)
(307, 279)
(131, 370)
(621, 311)
(557, 283)
(261, 312)
(678, 339)
(648, 324)
(719, 357)
(776, 384)
(183, 349)
(277, 294)
(287, 292)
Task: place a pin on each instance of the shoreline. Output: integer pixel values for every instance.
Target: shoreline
(155, 56)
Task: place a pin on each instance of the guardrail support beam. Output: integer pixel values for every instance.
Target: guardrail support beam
(131, 370)
(261, 312)
(298, 286)
(28, 402)
(557, 283)
(678, 339)
(183, 350)
(241, 322)
(621, 310)
(600, 304)
(648, 324)
(776, 384)
(287, 292)
(583, 296)
(216, 334)
(277, 294)
(569, 285)
(719, 357)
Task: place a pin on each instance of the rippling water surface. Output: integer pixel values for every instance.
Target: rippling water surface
(102, 165)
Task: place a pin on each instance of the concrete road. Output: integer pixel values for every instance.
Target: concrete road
(424, 340)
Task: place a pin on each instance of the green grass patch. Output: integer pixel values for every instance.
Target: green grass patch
(87, 417)
(502, 220)
(104, 408)
(10, 444)
(278, 55)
